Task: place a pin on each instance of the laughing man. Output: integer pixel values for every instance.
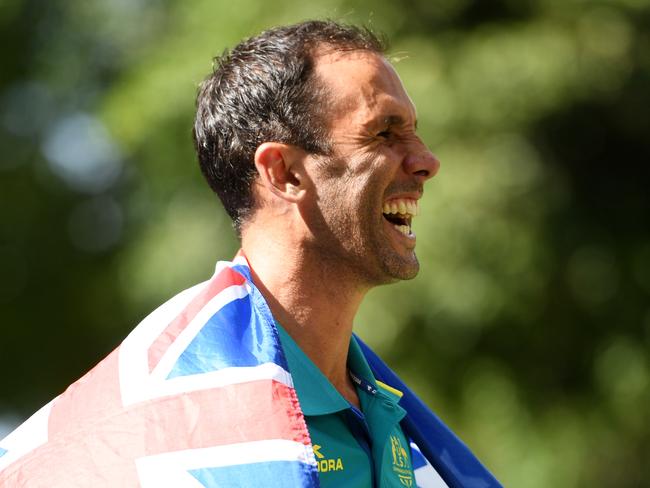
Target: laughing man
(254, 378)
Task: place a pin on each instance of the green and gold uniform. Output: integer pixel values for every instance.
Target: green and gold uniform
(353, 448)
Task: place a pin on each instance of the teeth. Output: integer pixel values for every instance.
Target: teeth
(402, 206)
(404, 229)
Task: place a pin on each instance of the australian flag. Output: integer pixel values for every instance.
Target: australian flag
(200, 395)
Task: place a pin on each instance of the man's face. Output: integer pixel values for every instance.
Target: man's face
(367, 190)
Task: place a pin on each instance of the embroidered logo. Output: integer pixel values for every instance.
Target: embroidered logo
(401, 463)
(324, 465)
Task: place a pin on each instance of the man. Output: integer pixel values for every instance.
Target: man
(254, 377)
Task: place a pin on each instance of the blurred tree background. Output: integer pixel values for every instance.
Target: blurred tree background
(528, 329)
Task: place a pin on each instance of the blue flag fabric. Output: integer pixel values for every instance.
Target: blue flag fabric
(449, 456)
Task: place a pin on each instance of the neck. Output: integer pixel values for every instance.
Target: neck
(315, 302)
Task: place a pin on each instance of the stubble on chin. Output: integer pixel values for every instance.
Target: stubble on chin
(399, 269)
(381, 264)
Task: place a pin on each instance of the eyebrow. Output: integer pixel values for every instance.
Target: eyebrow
(393, 120)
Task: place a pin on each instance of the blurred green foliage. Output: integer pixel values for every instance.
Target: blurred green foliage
(528, 329)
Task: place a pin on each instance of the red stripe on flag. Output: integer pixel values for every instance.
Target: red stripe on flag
(226, 277)
(101, 451)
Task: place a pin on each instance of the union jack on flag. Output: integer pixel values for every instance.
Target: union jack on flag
(199, 395)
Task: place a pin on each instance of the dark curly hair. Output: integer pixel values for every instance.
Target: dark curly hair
(265, 90)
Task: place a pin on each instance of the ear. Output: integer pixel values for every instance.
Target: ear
(280, 168)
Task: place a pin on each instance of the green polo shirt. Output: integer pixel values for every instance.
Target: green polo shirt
(353, 448)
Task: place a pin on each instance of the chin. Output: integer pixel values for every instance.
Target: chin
(400, 269)
(406, 273)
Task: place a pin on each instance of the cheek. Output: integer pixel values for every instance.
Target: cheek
(361, 184)
(397, 151)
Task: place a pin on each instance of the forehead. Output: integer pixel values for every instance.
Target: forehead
(363, 87)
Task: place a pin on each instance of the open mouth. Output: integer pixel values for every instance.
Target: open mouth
(399, 212)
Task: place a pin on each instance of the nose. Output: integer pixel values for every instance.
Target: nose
(421, 163)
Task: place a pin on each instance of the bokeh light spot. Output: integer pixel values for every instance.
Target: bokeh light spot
(80, 151)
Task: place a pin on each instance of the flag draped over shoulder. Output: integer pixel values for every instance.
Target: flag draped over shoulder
(198, 395)
(436, 446)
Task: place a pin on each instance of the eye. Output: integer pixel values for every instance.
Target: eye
(384, 134)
